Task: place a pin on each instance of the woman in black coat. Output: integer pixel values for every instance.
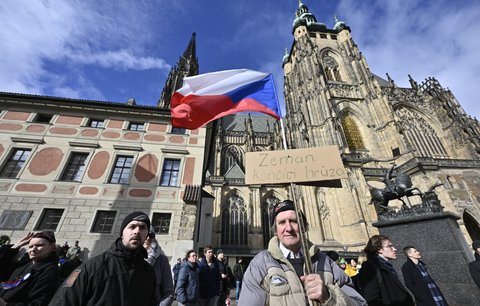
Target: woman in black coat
(34, 282)
(188, 283)
(378, 280)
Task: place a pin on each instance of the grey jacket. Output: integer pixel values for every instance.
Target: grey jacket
(270, 279)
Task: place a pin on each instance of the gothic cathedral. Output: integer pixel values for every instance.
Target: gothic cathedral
(332, 98)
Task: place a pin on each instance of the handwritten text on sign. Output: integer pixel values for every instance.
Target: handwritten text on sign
(297, 165)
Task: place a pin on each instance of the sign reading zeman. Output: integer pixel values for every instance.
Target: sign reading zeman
(294, 166)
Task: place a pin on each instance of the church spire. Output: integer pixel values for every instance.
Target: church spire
(304, 18)
(187, 65)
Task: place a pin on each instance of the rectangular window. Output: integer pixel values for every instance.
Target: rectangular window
(396, 152)
(121, 171)
(178, 130)
(75, 168)
(43, 118)
(170, 171)
(136, 126)
(161, 223)
(96, 123)
(323, 36)
(49, 220)
(103, 221)
(15, 162)
(334, 37)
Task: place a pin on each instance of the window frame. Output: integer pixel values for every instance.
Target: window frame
(160, 225)
(178, 131)
(136, 124)
(95, 219)
(113, 167)
(179, 171)
(8, 159)
(42, 216)
(67, 164)
(91, 120)
(39, 116)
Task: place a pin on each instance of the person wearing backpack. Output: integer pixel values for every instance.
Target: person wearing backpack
(377, 280)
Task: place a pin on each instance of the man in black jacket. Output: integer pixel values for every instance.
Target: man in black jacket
(120, 276)
(418, 281)
(224, 281)
(474, 266)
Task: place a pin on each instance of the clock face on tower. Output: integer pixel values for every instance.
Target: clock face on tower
(330, 62)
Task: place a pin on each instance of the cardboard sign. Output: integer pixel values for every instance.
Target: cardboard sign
(294, 166)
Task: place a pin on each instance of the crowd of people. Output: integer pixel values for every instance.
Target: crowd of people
(208, 280)
(135, 271)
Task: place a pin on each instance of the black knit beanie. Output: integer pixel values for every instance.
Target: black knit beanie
(135, 216)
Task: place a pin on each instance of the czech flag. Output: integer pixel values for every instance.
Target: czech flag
(209, 96)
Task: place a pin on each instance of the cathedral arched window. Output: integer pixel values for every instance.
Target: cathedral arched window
(232, 155)
(352, 133)
(267, 218)
(419, 134)
(332, 72)
(234, 221)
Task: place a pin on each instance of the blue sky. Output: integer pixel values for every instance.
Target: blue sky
(116, 50)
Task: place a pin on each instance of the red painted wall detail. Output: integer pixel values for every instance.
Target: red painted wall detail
(72, 120)
(45, 161)
(193, 141)
(89, 133)
(131, 136)
(194, 132)
(88, 190)
(31, 187)
(140, 193)
(111, 134)
(176, 139)
(146, 168)
(115, 124)
(35, 128)
(12, 115)
(189, 170)
(1, 149)
(157, 138)
(99, 165)
(63, 131)
(10, 126)
(156, 127)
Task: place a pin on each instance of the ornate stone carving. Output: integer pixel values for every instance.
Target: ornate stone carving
(343, 91)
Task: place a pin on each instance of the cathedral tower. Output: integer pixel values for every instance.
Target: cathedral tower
(332, 98)
(187, 65)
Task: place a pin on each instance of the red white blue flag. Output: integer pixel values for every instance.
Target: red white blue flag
(209, 96)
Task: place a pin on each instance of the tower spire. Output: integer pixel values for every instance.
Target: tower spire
(187, 65)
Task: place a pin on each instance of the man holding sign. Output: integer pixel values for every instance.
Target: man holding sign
(276, 276)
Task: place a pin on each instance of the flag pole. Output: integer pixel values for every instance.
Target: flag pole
(296, 197)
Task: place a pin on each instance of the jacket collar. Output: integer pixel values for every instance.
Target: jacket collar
(118, 249)
(274, 250)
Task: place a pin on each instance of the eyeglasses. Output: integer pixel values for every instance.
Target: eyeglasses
(194, 255)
